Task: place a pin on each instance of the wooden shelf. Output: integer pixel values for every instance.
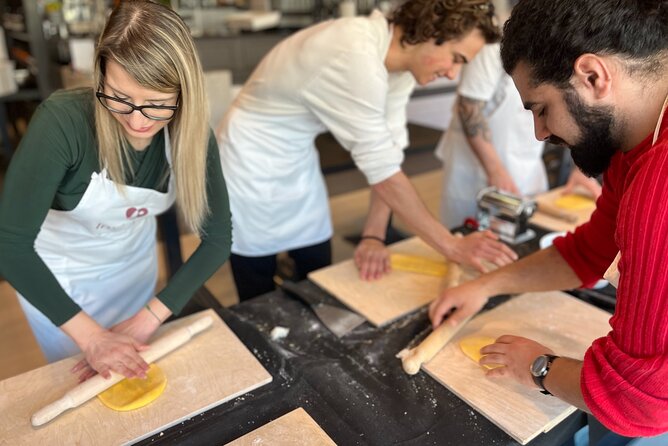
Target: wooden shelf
(16, 35)
(30, 40)
(28, 94)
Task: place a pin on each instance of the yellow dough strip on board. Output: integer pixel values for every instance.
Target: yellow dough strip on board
(417, 264)
(574, 202)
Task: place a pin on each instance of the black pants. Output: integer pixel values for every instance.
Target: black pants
(255, 275)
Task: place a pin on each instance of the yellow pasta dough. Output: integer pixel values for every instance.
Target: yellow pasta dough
(133, 393)
(417, 264)
(471, 347)
(574, 202)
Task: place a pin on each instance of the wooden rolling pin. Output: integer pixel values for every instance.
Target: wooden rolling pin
(412, 359)
(97, 384)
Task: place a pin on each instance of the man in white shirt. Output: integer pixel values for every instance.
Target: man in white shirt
(352, 77)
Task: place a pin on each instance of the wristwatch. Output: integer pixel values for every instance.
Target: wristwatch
(539, 370)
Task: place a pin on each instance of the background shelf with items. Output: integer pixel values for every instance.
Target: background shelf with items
(29, 74)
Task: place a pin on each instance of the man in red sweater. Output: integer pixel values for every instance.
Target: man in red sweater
(595, 76)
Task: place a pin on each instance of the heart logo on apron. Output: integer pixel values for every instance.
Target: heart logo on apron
(135, 213)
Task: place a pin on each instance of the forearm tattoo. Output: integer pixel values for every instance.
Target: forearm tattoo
(473, 120)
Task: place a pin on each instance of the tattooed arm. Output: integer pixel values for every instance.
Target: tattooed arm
(479, 138)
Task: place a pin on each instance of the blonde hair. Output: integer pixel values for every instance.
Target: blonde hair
(151, 43)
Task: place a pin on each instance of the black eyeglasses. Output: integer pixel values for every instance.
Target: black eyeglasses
(155, 112)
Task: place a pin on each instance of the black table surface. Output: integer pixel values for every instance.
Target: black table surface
(353, 387)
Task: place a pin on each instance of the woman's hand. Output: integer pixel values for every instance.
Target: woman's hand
(116, 349)
(140, 327)
(372, 259)
(478, 246)
(107, 351)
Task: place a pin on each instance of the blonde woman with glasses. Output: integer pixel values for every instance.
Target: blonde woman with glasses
(81, 196)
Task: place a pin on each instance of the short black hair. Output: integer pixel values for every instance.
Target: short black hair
(549, 35)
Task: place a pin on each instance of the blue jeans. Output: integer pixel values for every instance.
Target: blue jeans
(595, 434)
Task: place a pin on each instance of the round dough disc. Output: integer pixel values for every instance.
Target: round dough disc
(574, 202)
(471, 346)
(133, 393)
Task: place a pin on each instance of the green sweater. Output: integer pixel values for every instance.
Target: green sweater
(52, 168)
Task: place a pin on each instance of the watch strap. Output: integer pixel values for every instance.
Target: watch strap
(539, 380)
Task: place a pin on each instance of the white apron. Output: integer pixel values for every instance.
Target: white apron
(612, 273)
(303, 87)
(511, 128)
(103, 254)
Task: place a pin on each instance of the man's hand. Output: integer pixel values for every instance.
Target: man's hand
(478, 246)
(516, 354)
(372, 259)
(464, 300)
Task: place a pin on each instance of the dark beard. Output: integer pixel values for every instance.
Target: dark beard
(597, 144)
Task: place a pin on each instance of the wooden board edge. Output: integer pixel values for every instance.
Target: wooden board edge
(515, 437)
(560, 418)
(293, 415)
(199, 411)
(373, 321)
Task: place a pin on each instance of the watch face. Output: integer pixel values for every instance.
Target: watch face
(539, 366)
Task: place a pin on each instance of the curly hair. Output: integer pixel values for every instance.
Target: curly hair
(442, 20)
(550, 35)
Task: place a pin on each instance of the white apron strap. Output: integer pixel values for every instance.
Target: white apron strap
(612, 273)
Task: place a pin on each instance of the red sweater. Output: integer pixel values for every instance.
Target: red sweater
(624, 377)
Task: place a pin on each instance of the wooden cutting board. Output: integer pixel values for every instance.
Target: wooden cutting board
(565, 324)
(546, 221)
(292, 429)
(391, 297)
(210, 369)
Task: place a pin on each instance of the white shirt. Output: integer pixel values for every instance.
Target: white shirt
(330, 76)
(511, 128)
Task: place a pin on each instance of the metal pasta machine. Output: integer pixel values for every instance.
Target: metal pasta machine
(505, 214)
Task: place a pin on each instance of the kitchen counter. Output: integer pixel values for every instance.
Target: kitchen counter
(353, 387)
